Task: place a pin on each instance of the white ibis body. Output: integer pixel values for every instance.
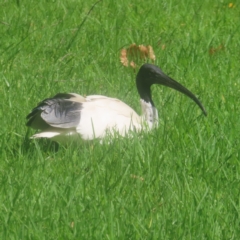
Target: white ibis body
(95, 116)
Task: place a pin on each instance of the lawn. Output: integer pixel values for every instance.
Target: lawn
(180, 181)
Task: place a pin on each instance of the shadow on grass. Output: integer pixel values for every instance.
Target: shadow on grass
(44, 145)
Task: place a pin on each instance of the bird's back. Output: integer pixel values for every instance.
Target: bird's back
(90, 117)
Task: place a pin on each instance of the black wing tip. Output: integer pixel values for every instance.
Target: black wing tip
(32, 116)
(29, 122)
(32, 113)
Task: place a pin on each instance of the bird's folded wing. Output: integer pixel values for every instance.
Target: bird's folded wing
(61, 111)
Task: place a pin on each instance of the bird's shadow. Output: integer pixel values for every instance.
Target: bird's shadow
(43, 144)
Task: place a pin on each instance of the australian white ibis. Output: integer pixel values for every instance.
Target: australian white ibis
(69, 114)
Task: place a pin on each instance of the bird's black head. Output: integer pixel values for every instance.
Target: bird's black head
(150, 74)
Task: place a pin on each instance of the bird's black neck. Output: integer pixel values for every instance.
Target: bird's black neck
(144, 90)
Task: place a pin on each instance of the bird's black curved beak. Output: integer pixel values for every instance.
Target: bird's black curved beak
(169, 82)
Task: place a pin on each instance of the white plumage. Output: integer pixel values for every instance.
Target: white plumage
(96, 116)
(101, 114)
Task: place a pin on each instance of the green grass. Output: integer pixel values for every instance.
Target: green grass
(180, 181)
